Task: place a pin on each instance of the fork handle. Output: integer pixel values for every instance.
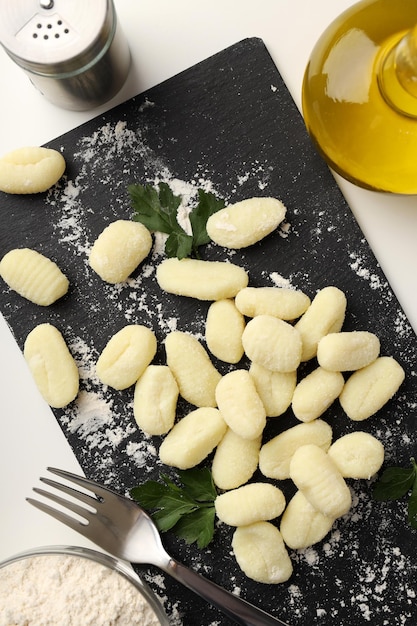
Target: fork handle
(236, 608)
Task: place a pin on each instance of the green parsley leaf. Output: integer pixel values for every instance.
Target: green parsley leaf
(170, 483)
(187, 508)
(207, 205)
(395, 483)
(179, 245)
(149, 494)
(170, 514)
(412, 507)
(197, 527)
(158, 211)
(199, 484)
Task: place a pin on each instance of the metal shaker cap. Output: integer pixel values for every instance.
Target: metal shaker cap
(44, 33)
(73, 50)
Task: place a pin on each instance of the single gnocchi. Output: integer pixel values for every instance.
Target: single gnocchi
(155, 400)
(193, 438)
(357, 455)
(287, 304)
(272, 343)
(245, 223)
(347, 351)
(302, 525)
(240, 404)
(261, 554)
(317, 477)
(367, 390)
(52, 365)
(30, 169)
(275, 389)
(203, 280)
(126, 356)
(119, 249)
(250, 503)
(325, 314)
(276, 454)
(195, 374)
(33, 276)
(235, 460)
(224, 328)
(315, 393)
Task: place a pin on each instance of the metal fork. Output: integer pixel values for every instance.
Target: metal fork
(119, 526)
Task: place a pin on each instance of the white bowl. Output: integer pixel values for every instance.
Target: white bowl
(148, 598)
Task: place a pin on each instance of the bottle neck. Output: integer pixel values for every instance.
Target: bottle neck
(397, 75)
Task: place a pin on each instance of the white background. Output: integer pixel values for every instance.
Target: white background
(165, 37)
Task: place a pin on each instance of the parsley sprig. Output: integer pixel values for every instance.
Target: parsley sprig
(395, 483)
(157, 209)
(187, 509)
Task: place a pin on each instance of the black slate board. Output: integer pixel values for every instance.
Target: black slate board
(231, 122)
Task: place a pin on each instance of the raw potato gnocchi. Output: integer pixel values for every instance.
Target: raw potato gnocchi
(52, 365)
(126, 356)
(251, 503)
(347, 351)
(261, 553)
(119, 249)
(190, 364)
(287, 304)
(33, 276)
(203, 280)
(234, 430)
(272, 343)
(275, 455)
(30, 170)
(368, 389)
(325, 314)
(315, 393)
(193, 438)
(302, 525)
(155, 400)
(224, 328)
(240, 404)
(357, 455)
(275, 389)
(245, 223)
(235, 460)
(317, 477)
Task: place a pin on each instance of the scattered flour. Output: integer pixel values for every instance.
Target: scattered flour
(104, 423)
(281, 281)
(357, 265)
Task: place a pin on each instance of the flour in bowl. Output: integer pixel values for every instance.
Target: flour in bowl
(68, 590)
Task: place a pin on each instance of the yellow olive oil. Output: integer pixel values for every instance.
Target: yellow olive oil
(360, 95)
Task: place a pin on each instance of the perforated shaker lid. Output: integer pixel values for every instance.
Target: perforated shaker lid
(49, 32)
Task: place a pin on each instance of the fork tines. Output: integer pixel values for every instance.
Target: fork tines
(83, 513)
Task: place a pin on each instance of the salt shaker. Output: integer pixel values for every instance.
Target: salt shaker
(73, 51)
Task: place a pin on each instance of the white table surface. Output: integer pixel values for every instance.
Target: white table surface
(165, 37)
